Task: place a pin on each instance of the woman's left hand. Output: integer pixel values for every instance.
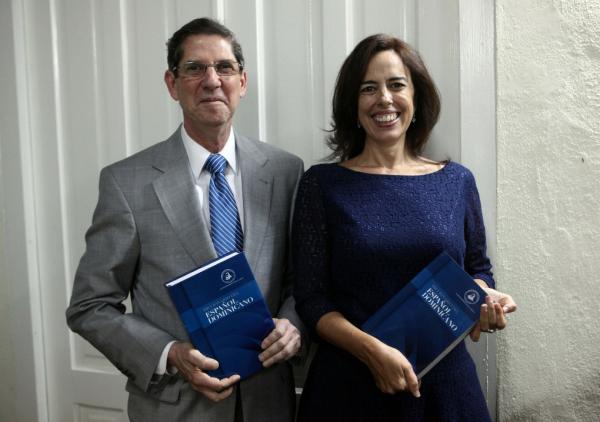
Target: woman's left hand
(493, 312)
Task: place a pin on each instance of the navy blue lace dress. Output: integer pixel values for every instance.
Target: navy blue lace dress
(358, 238)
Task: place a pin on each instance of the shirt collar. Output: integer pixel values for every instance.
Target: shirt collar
(198, 155)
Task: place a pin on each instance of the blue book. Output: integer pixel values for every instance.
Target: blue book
(431, 315)
(224, 313)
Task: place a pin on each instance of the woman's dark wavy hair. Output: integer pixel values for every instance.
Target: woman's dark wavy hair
(200, 26)
(347, 140)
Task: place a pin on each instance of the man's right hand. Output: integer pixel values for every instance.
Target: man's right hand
(192, 364)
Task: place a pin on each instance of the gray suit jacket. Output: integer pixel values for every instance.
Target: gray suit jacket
(147, 229)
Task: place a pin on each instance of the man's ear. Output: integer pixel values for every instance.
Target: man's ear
(244, 82)
(171, 82)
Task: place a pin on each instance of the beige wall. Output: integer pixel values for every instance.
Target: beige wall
(548, 228)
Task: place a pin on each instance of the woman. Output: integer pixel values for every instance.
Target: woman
(365, 225)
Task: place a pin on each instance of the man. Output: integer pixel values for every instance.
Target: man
(154, 221)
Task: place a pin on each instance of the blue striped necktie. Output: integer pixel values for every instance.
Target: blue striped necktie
(225, 227)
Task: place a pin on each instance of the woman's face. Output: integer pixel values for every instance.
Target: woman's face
(385, 100)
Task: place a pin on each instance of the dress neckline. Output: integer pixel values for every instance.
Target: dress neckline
(394, 175)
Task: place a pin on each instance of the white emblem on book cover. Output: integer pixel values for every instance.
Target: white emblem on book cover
(471, 296)
(228, 276)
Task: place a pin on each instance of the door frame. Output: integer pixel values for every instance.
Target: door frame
(22, 248)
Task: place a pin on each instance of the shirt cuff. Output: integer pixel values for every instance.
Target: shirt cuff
(161, 368)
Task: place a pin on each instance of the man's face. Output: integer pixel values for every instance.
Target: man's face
(208, 101)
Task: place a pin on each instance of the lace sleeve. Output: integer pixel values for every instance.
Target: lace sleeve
(477, 262)
(311, 254)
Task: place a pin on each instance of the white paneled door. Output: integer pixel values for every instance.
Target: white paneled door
(85, 87)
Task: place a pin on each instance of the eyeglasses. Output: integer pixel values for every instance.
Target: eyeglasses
(195, 70)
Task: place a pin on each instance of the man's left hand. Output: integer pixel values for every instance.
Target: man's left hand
(281, 344)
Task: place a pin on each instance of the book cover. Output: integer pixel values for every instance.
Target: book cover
(224, 313)
(428, 317)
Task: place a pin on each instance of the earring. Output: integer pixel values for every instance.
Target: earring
(414, 119)
(358, 124)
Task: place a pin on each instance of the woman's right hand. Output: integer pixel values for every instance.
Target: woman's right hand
(391, 370)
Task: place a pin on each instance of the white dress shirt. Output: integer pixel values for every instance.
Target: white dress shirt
(197, 156)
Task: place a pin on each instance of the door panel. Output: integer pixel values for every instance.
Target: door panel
(90, 92)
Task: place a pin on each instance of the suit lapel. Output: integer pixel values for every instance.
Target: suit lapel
(257, 185)
(175, 190)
